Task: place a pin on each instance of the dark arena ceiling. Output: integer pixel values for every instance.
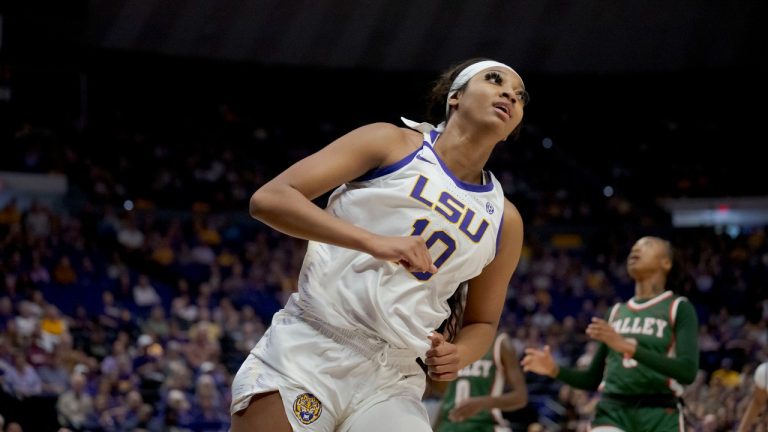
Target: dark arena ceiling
(546, 36)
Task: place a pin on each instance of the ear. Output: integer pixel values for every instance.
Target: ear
(666, 264)
(453, 99)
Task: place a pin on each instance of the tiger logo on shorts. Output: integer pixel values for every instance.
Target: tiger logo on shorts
(307, 408)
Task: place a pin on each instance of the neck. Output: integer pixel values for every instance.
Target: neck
(650, 287)
(465, 153)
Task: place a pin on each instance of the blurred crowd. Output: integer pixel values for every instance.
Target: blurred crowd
(131, 304)
(128, 321)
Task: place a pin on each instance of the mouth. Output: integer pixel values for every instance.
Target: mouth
(633, 258)
(504, 109)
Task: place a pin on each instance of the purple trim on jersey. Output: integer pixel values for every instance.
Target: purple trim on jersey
(382, 171)
(433, 134)
(463, 185)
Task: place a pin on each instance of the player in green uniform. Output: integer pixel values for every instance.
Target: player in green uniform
(475, 400)
(649, 350)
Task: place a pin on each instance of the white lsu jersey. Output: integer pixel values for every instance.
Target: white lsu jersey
(418, 195)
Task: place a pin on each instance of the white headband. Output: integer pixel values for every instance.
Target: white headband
(462, 78)
(468, 72)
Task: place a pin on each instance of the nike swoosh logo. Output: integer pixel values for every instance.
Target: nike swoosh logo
(425, 160)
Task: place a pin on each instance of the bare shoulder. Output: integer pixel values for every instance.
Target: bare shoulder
(388, 132)
(396, 142)
(508, 346)
(512, 217)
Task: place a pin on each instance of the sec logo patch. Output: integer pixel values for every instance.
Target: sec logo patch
(307, 408)
(489, 208)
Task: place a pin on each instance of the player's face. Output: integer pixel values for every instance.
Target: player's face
(647, 254)
(495, 95)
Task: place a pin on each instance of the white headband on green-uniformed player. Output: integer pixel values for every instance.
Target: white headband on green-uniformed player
(461, 79)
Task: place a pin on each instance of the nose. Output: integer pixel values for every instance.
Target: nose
(509, 95)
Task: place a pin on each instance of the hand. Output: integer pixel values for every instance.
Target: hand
(466, 409)
(411, 252)
(442, 359)
(540, 362)
(601, 331)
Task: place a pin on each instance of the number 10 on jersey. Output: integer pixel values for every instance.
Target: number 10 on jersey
(450, 245)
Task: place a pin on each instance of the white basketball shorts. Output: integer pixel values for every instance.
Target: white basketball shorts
(332, 379)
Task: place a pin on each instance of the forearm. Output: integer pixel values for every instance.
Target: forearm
(580, 379)
(285, 209)
(473, 342)
(507, 402)
(588, 379)
(682, 370)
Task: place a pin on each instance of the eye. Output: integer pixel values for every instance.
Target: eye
(523, 96)
(494, 77)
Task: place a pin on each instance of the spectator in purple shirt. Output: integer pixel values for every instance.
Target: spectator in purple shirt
(21, 377)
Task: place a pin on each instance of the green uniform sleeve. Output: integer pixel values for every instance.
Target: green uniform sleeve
(685, 364)
(587, 379)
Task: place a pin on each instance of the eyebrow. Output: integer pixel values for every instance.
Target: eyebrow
(513, 74)
(500, 71)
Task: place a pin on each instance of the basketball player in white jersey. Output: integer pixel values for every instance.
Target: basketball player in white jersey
(413, 216)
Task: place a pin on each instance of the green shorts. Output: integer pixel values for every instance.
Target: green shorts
(637, 417)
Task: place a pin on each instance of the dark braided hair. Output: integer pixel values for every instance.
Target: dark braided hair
(451, 326)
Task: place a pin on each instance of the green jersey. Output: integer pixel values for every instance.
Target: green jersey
(665, 329)
(485, 377)
(651, 324)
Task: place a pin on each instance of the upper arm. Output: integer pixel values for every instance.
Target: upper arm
(488, 291)
(686, 333)
(347, 158)
(512, 370)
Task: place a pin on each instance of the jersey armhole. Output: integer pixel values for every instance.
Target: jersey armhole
(673, 310)
(614, 311)
(388, 169)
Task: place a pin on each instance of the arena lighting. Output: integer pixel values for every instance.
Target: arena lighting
(547, 143)
(718, 212)
(733, 231)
